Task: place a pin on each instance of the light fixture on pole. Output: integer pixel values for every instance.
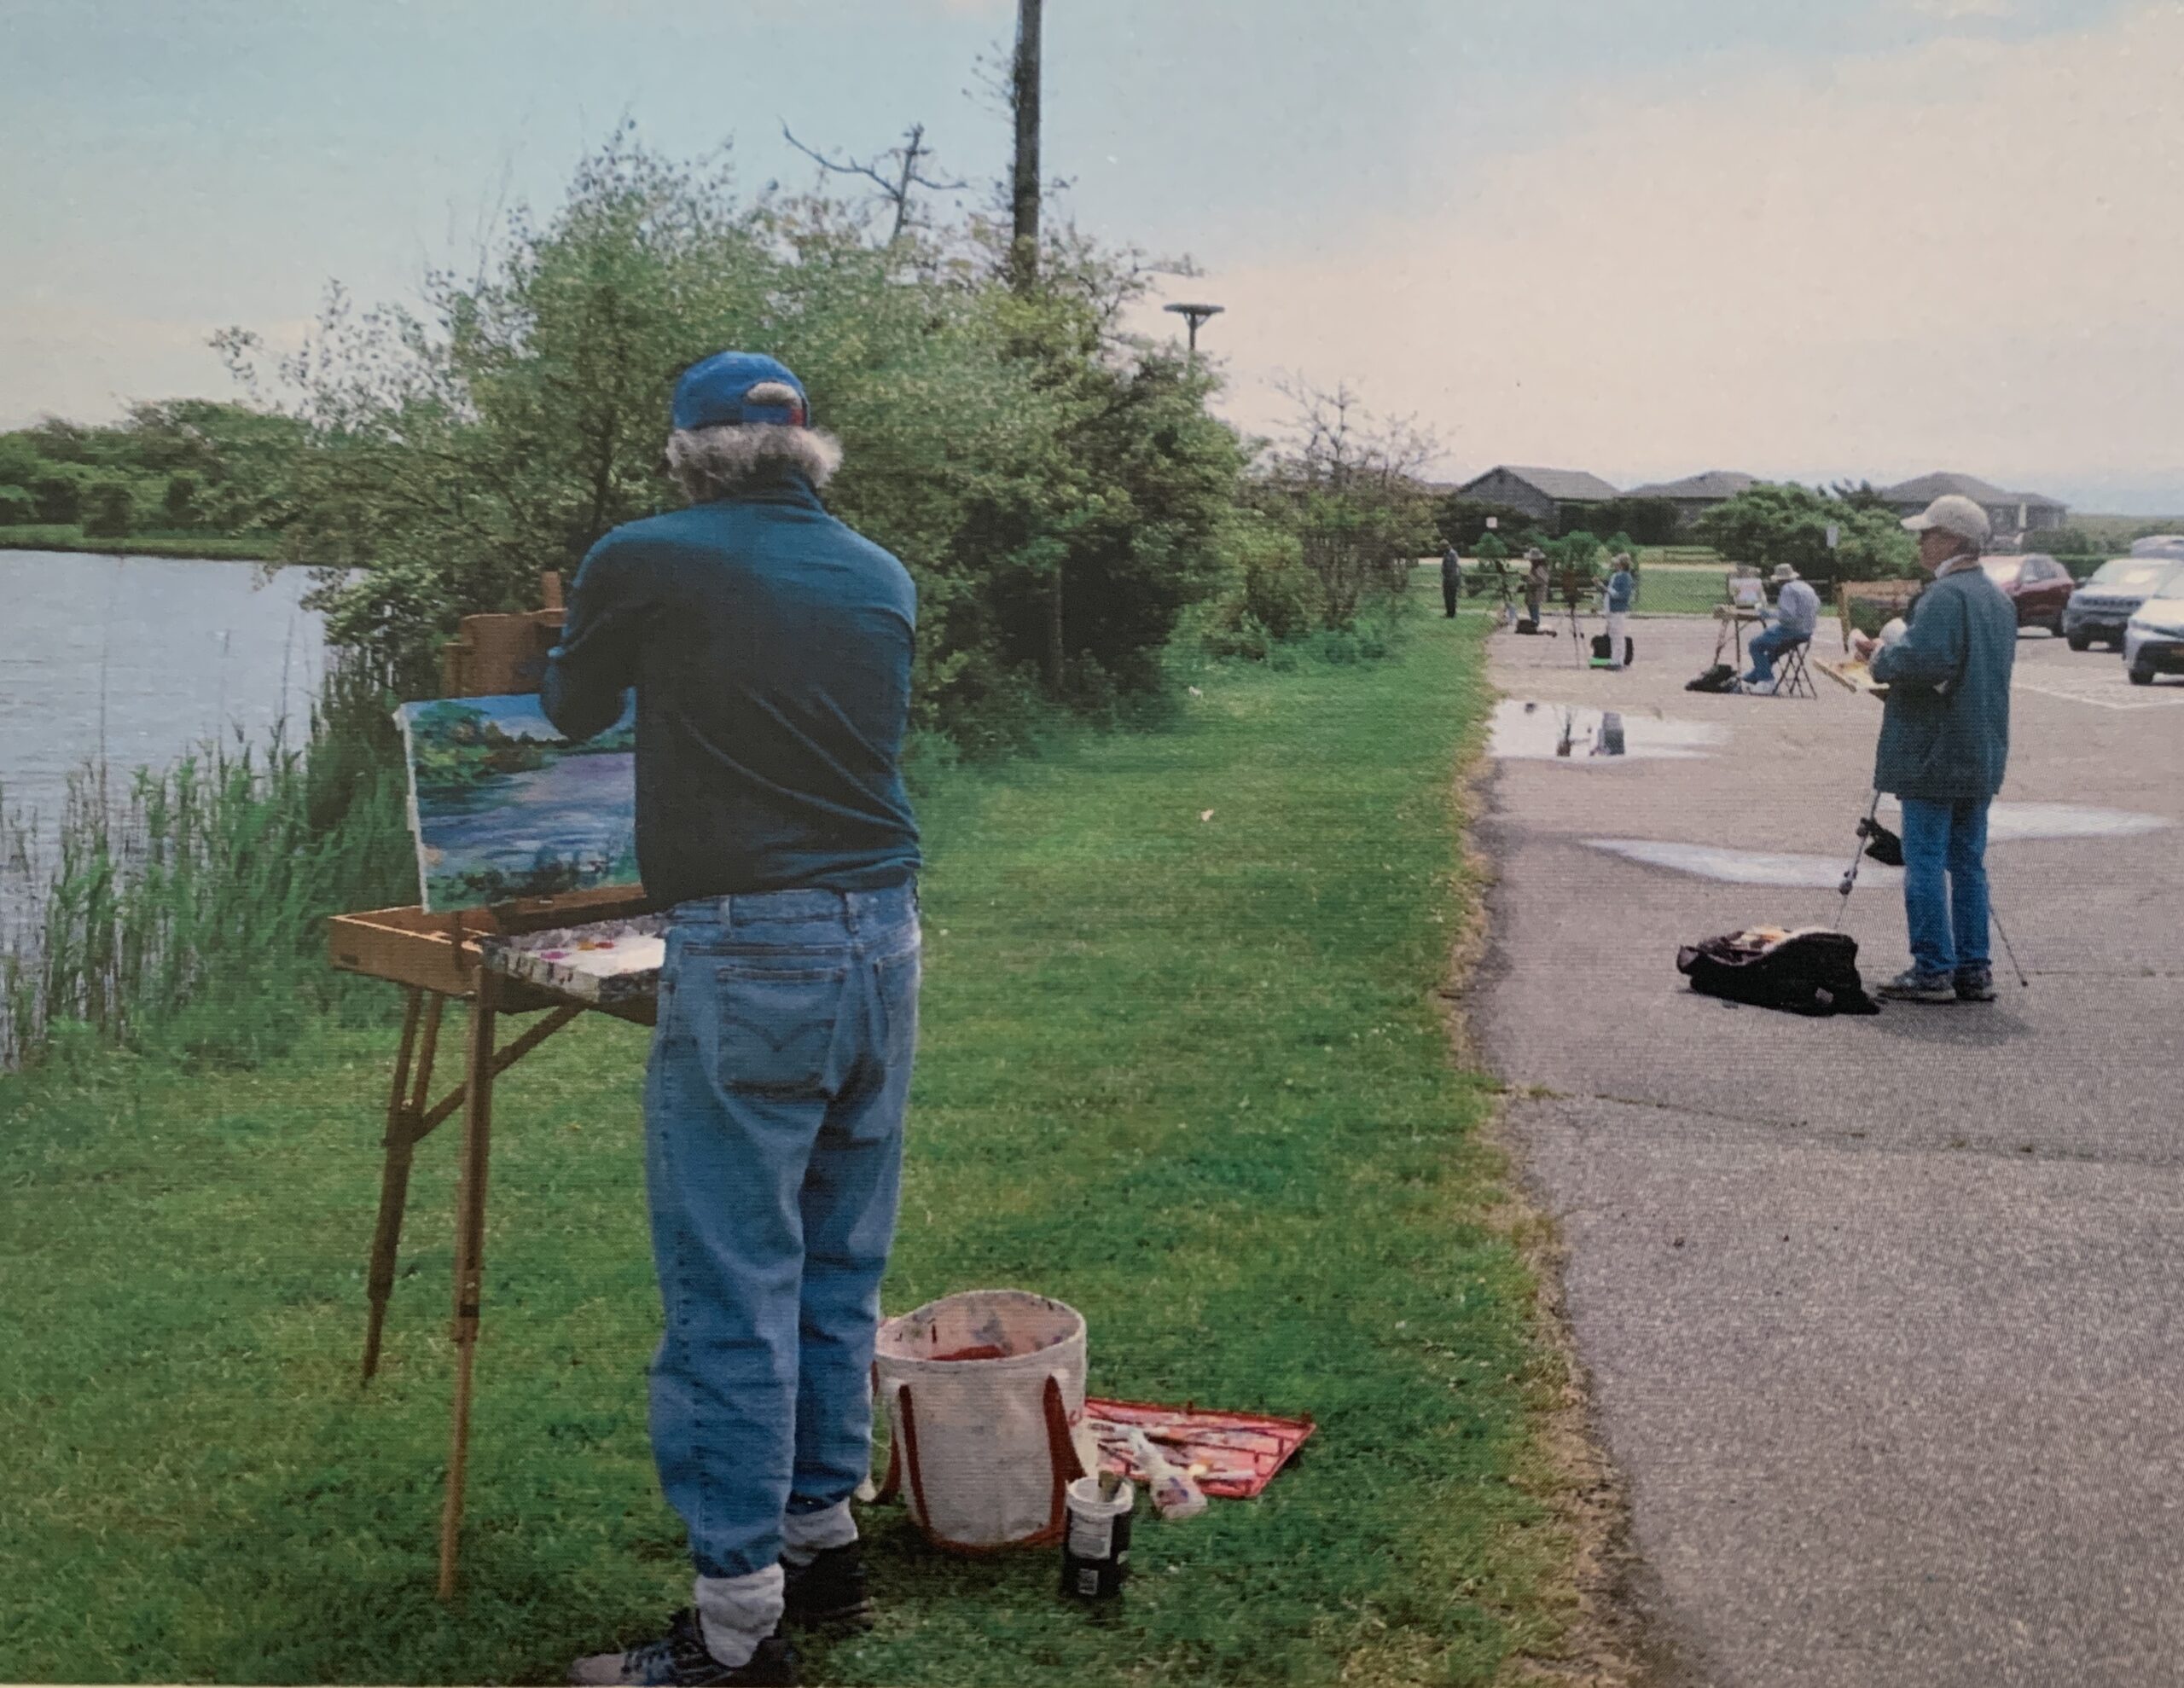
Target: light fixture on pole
(1194, 314)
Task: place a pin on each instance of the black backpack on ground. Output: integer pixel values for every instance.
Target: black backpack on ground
(1807, 972)
(1718, 678)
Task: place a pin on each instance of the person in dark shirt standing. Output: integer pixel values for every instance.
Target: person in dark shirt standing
(770, 648)
(1452, 577)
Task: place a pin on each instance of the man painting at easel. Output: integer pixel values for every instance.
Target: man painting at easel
(771, 648)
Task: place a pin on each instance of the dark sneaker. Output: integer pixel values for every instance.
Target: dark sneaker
(1975, 984)
(831, 1591)
(679, 1660)
(1912, 986)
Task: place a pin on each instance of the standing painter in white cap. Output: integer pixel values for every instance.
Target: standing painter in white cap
(1945, 741)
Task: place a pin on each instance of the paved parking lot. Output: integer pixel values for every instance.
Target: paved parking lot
(1881, 1314)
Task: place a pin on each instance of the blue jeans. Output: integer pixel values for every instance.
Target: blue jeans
(1948, 922)
(774, 1104)
(1767, 644)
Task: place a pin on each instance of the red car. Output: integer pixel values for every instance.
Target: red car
(2036, 583)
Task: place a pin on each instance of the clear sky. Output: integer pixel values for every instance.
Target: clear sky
(1812, 238)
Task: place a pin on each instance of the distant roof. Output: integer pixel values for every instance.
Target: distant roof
(1713, 484)
(1927, 488)
(1570, 483)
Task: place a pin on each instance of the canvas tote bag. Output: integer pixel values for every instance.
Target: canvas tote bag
(985, 1397)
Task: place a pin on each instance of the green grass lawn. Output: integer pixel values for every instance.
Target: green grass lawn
(1680, 591)
(1184, 1069)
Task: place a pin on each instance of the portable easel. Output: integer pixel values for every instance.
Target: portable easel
(435, 957)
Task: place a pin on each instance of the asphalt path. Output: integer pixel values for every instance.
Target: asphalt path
(1880, 1314)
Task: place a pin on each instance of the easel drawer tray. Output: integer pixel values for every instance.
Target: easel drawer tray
(439, 951)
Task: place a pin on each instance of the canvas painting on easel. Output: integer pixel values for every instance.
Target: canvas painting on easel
(502, 806)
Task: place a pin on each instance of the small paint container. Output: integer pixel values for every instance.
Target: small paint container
(1095, 1541)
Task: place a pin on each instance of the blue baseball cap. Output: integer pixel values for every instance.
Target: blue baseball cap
(717, 391)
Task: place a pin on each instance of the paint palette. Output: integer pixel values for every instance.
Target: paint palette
(607, 963)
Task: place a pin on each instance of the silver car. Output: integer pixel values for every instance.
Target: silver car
(2100, 607)
(2153, 638)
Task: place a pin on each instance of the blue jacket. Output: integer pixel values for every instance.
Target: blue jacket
(1945, 725)
(1622, 589)
(770, 649)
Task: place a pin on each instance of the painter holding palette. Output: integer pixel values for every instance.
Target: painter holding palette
(769, 647)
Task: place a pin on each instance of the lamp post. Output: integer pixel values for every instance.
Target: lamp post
(1194, 314)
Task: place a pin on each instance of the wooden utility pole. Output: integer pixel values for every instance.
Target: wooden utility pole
(1023, 198)
(1024, 252)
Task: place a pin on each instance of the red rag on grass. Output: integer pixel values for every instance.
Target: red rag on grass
(1241, 1451)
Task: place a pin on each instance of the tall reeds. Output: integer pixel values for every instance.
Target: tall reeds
(183, 909)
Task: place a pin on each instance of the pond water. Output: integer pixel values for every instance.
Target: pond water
(139, 660)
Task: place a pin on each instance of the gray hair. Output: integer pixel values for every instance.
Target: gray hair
(714, 462)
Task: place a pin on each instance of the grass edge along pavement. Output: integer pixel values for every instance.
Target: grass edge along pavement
(1187, 1073)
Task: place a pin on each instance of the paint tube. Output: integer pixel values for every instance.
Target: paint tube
(1174, 1494)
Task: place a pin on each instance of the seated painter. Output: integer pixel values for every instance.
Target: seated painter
(769, 647)
(1790, 623)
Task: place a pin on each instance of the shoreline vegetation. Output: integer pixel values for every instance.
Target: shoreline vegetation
(194, 547)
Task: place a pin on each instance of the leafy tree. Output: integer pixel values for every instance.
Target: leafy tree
(446, 455)
(1770, 523)
(1492, 548)
(1859, 496)
(1347, 485)
(1649, 521)
(59, 489)
(178, 508)
(109, 510)
(1461, 522)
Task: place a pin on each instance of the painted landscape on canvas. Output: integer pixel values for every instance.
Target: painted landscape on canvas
(503, 806)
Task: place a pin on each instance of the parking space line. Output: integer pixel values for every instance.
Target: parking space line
(2174, 701)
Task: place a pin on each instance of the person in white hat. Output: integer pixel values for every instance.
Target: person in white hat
(1789, 623)
(1944, 744)
(1615, 599)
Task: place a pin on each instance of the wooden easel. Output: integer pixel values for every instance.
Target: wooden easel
(435, 957)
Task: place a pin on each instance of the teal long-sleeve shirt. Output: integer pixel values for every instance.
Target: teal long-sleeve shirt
(769, 647)
(1945, 725)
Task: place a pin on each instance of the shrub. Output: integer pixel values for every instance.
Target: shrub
(109, 511)
(1770, 523)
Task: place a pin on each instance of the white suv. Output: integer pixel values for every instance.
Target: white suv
(2153, 638)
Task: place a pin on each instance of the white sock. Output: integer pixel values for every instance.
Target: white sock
(806, 1536)
(736, 1613)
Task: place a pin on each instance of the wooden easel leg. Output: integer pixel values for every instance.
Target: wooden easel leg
(405, 1109)
(469, 1261)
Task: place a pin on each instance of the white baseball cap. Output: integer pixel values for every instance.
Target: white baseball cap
(1952, 513)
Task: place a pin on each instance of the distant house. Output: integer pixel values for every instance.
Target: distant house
(2011, 513)
(1544, 495)
(1695, 495)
